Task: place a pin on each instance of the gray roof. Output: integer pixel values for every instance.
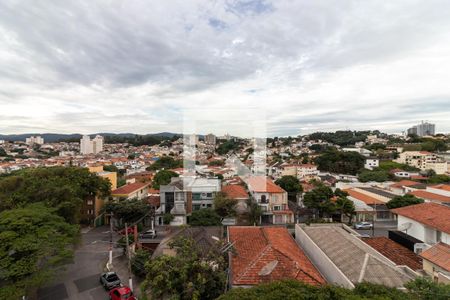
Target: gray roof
(379, 192)
(354, 258)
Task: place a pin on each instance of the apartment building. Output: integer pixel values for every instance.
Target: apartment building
(184, 195)
(272, 199)
(423, 160)
(88, 146)
(34, 140)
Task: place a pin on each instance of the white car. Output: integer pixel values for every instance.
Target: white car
(149, 234)
(363, 225)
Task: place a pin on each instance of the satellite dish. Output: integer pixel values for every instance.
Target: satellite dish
(267, 269)
(404, 226)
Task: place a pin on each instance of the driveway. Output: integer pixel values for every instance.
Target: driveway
(80, 280)
(381, 228)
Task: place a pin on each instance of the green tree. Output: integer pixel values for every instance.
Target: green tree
(340, 162)
(425, 289)
(167, 218)
(224, 206)
(188, 274)
(204, 217)
(63, 188)
(163, 177)
(138, 262)
(406, 200)
(346, 208)
(111, 168)
(34, 240)
(2, 152)
(437, 179)
(127, 211)
(165, 162)
(320, 199)
(375, 175)
(291, 185)
(254, 212)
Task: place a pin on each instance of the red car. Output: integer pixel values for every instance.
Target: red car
(130, 231)
(122, 293)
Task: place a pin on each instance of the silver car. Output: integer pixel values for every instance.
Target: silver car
(109, 280)
(363, 225)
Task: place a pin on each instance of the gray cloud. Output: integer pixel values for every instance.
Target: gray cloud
(309, 64)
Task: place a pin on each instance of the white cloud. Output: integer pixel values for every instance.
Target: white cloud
(128, 66)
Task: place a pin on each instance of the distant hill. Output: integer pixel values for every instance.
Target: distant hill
(56, 137)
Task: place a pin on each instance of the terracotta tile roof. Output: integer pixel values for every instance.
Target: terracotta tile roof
(430, 196)
(445, 187)
(395, 252)
(439, 255)
(431, 214)
(235, 191)
(257, 248)
(129, 188)
(262, 184)
(402, 183)
(363, 197)
(154, 201)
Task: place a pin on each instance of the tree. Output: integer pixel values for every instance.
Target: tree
(63, 188)
(437, 179)
(291, 185)
(320, 199)
(34, 240)
(188, 274)
(346, 207)
(254, 211)
(167, 218)
(378, 176)
(163, 177)
(406, 200)
(111, 168)
(204, 217)
(224, 206)
(216, 163)
(127, 211)
(138, 262)
(2, 152)
(426, 289)
(340, 162)
(165, 162)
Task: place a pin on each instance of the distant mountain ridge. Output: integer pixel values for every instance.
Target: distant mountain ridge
(55, 137)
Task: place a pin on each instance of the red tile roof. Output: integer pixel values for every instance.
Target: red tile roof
(257, 248)
(261, 184)
(369, 200)
(431, 214)
(129, 188)
(235, 191)
(445, 187)
(430, 196)
(439, 255)
(395, 252)
(402, 183)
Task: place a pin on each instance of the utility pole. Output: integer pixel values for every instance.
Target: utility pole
(130, 280)
(373, 220)
(110, 240)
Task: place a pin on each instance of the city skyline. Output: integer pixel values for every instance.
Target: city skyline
(116, 67)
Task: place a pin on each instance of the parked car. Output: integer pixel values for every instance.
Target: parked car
(363, 225)
(122, 293)
(109, 280)
(149, 234)
(130, 231)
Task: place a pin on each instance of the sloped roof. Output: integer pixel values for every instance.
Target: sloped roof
(266, 254)
(369, 200)
(235, 191)
(445, 187)
(395, 252)
(358, 261)
(261, 184)
(431, 214)
(439, 255)
(129, 188)
(430, 196)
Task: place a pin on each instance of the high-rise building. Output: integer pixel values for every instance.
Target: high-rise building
(88, 146)
(34, 140)
(423, 129)
(210, 139)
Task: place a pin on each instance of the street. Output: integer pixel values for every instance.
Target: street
(381, 228)
(80, 280)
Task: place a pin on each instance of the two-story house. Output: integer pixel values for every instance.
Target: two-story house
(184, 195)
(272, 199)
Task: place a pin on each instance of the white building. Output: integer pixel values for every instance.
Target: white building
(423, 160)
(372, 163)
(34, 140)
(88, 146)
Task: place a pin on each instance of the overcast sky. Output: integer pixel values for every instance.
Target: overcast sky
(297, 66)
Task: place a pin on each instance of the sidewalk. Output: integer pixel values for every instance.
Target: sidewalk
(120, 266)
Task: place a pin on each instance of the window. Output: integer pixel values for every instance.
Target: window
(90, 202)
(209, 195)
(438, 236)
(208, 205)
(277, 207)
(263, 199)
(196, 207)
(196, 196)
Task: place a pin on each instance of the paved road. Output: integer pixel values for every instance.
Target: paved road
(381, 228)
(80, 280)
